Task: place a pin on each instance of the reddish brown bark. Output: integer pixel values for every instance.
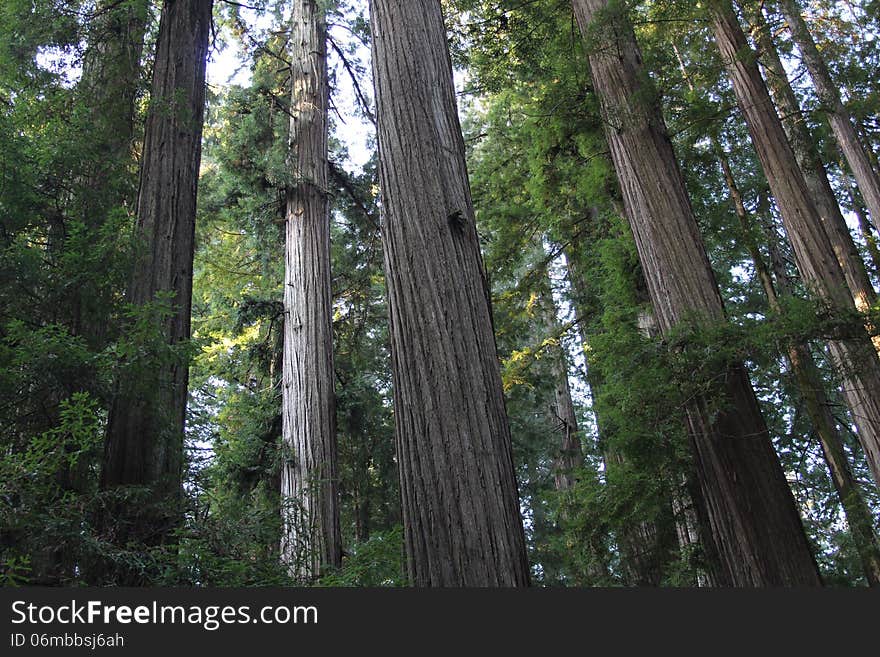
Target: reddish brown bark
(751, 510)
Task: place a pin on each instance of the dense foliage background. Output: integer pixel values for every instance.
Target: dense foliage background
(565, 282)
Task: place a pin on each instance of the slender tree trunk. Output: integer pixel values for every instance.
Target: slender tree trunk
(638, 558)
(868, 230)
(568, 463)
(570, 455)
(813, 170)
(144, 444)
(636, 540)
(854, 358)
(459, 496)
(311, 539)
(839, 117)
(752, 512)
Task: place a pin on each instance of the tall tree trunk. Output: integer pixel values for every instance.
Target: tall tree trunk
(459, 496)
(815, 175)
(854, 358)
(639, 559)
(839, 117)
(108, 89)
(812, 392)
(569, 455)
(568, 463)
(751, 509)
(144, 443)
(106, 93)
(311, 539)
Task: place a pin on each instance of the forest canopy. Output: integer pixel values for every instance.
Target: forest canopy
(573, 293)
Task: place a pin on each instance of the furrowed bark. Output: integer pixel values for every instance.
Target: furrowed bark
(459, 496)
(311, 539)
(855, 359)
(144, 443)
(751, 510)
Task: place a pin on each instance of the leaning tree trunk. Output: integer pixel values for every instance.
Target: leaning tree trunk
(855, 358)
(751, 509)
(812, 392)
(807, 376)
(144, 443)
(813, 170)
(839, 117)
(460, 505)
(311, 539)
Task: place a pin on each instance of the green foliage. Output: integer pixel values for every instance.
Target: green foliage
(376, 562)
(564, 277)
(49, 485)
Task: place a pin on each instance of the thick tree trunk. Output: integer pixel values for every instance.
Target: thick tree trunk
(752, 512)
(855, 359)
(813, 170)
(311, 539)
(839, 117)
(459, 496)
(144, 444)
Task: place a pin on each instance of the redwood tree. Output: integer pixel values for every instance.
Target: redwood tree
(144, 442)
(854, 357)
(461, 513)
(309, 486)
(751, 510)
(815, 175)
